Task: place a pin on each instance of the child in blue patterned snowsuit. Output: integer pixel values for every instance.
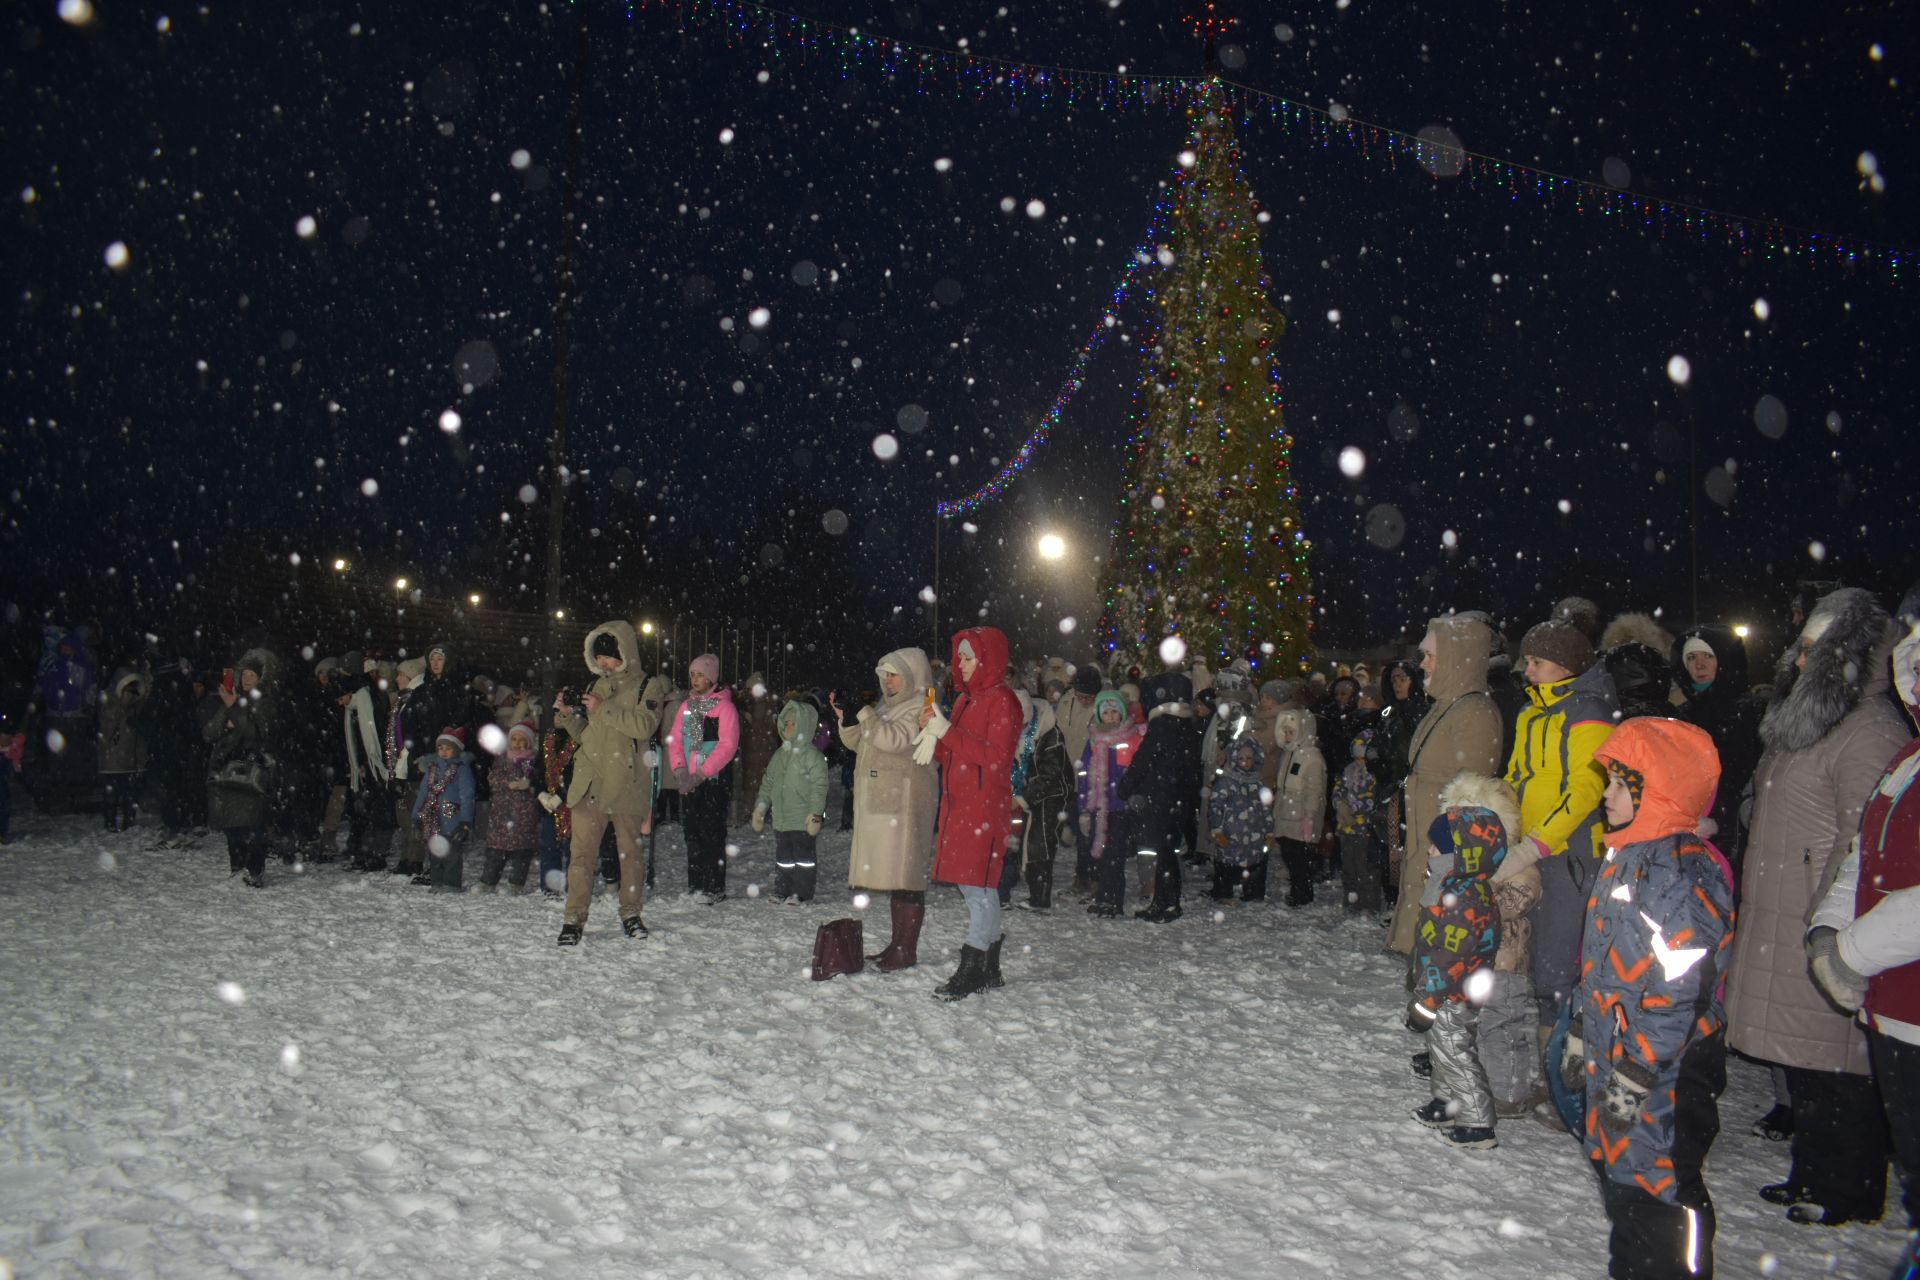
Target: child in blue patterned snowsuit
(1241, 823)
(1647, 1040)
(1455, 942)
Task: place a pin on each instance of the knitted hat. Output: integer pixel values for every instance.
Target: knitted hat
(412, 669)
(326, 666)
(1280, 691)
(1087, 680)
(1106, 697)
(707, 665)
(1695, 645)
(606, 645)
(353, 662)
(1559, 642)
(1583, 613)
(458, 737)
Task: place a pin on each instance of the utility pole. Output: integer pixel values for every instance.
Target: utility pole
(563, 351)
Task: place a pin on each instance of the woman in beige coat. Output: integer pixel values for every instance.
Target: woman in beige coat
(894, 801)
(1828, 734)
(1460, 733)
(1299, 800)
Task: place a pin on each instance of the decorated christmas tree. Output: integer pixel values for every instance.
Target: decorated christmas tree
(1209, 545)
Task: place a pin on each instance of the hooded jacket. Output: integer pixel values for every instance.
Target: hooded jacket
(1162, 783)
(1729, 711)
(609, 762)
(1513, 894)
(1875, 898)
(893, 798)
(793, 786)
(1829, 734)
(976, 766)
(1048, 776)
(438, 702)
(1300, 796)
(1237, 810)
(704, 744)
(1460, 732)
(123, 748)
(1658, 929)
(1459, 930)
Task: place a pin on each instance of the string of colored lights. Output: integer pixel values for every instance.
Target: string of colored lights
(744, 22)
(1144, 256)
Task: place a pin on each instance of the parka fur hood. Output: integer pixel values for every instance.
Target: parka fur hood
(804, 717)
(1847, 641)
(1636, 628)
(1477, 791)
(623, 634)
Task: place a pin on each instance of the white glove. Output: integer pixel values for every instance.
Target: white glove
(759, 817)
(939, 725)
(923, 744)
(814, 823)
(1020, 803)
(549, 801)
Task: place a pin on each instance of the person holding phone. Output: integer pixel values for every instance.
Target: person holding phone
(241, 729)
(893, 801)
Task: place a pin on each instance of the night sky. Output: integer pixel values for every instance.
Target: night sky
(245, 374)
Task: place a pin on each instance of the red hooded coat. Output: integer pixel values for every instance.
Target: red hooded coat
(976, 767)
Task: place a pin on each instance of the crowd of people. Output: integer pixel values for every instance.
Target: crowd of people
(1608, 863)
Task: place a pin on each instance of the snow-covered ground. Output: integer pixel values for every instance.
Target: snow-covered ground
(345, 1075)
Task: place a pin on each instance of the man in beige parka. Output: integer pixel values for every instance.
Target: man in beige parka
(612, 780)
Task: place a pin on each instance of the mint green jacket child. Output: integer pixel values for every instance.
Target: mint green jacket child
(794, 787)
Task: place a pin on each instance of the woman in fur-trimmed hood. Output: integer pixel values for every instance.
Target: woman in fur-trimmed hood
(1828, 734)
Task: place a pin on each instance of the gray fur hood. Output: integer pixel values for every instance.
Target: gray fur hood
(1847, 641)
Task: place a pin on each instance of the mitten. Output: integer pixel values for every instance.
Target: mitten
(1220, 838)
(759, 817)
(1834, 976)
(1573, 1057)
(463, 833)
(1627, 1090)
(814, 822)
(519, 784)
(1086, 824)
(549, 801)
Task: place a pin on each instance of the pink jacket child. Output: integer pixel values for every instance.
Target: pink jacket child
(711, 723)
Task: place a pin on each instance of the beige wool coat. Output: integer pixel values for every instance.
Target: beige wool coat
(1461, 733)
(894, 799)
(610, 765)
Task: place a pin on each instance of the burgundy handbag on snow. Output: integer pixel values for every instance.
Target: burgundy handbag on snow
(836, 949)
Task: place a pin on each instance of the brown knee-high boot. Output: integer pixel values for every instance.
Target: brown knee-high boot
(903, 949)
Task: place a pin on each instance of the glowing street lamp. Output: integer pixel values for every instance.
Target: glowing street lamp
(399, 584)
(474, 598)
(646, 628)
(1052, 546)
(339, 566)
(1742, 630)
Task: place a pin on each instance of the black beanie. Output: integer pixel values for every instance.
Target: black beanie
(1087, 680)
(606, 645)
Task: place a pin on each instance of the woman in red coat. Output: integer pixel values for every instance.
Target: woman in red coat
(975, 749)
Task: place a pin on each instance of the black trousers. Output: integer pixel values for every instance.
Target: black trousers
(1650, 1238)
(703, 821)
(247, 850)
(1110, 868)
(1043, 846)
(1298, 857)
(796, 867)
(1839, 1141)
(1160, 834)
(1252, 881)
(1896, 1070)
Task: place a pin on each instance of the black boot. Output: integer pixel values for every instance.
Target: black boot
(969, 978)
(1158, 912)
(570, 934)
(994, 980)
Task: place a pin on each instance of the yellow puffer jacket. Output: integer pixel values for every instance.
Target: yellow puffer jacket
(1552, 769)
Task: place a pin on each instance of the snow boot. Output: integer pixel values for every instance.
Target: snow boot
(1421, 1065)
(969, 978)
(634, 928)
(903, 949)
(1436, 1114)
(994, 980)
(1470, 1138)
(570, 934)
(1158, 912)
(1776, 1125)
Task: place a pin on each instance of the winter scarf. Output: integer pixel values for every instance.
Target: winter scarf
(1101, 740)
(437, 807)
